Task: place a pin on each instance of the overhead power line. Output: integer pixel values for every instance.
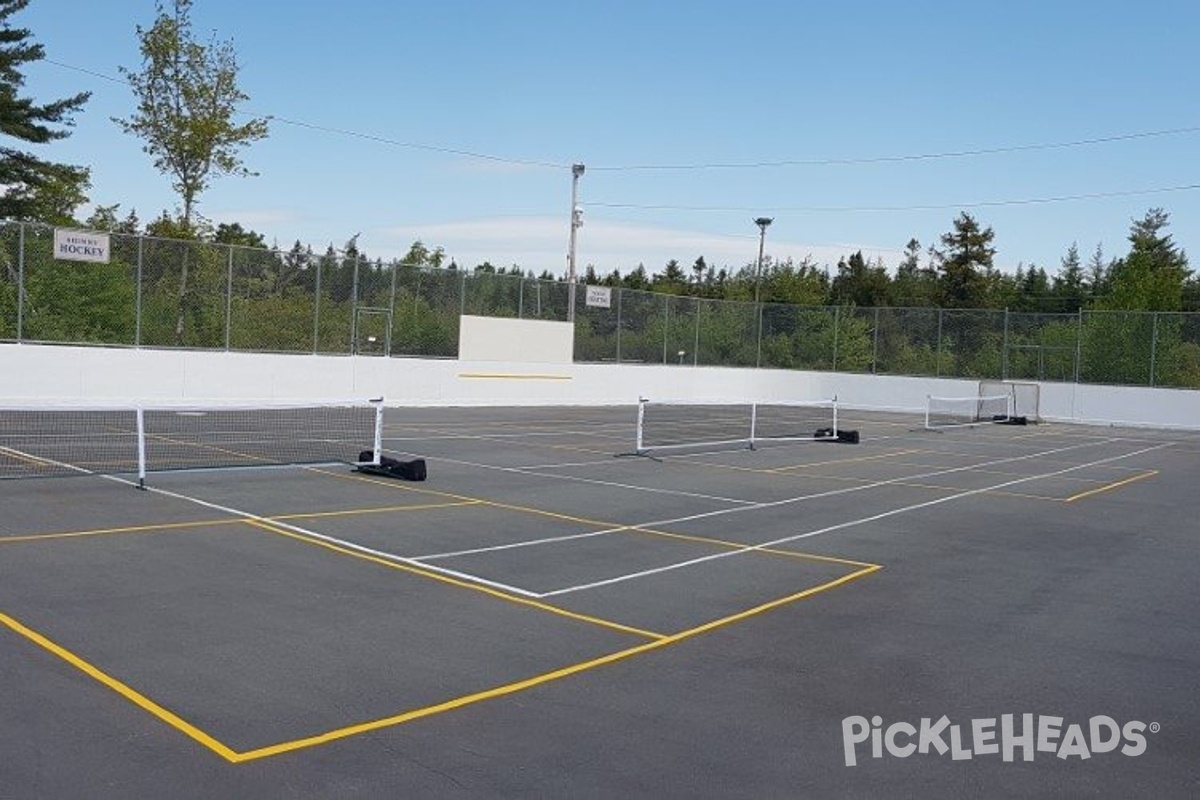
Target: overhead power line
(917, 207)
(849, 161)
(984, 151)
(346, 132)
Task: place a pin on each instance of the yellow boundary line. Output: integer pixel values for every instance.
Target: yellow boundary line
(229, 754)
(33, 537)
(137, 698)
(350, 512)
(1114, 485)
(657, 640)
(538, 680)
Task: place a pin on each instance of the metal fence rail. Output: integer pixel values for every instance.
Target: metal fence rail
(180, 294)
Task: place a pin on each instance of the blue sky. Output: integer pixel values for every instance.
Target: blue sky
(836, 90)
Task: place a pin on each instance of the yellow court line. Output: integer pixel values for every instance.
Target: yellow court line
(529, 683)
(158, 437)
(33, 537)
(458, 583)
(1006, 473)
(196, 734)
(483, 501)
(1115, 485)
(602, 524)
(382, 510)
(836, 461)
(29, 458)
(533, 444)
(130, 694)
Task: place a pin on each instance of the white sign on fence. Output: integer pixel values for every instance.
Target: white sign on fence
(72, 245)
(599, 297)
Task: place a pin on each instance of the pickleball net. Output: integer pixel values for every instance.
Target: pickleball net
(664, 425)
(61, 440)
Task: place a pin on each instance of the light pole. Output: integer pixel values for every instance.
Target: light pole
(762, 223)
(576, 224)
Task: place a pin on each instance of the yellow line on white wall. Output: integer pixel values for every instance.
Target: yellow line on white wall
(516, 376)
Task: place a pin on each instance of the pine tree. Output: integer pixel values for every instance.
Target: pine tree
(966, 264)
(33, 189)
(1152, 276)
(1070, 283)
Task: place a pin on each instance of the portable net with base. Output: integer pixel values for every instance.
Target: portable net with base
(60, 440)
(688, 424)
(957, 412)
(1026, 396)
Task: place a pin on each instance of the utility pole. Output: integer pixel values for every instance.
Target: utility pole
(762, 223)
(576, 224)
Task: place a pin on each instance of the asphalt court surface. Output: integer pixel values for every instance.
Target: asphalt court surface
(270, 616)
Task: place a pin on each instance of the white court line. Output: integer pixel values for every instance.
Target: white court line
(333, 540)
(864, 487)
(527, 543)
(839, 526)
(592, 481)
(759, 506)
(560, 464)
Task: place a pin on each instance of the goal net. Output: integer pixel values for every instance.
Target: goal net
(957, 412)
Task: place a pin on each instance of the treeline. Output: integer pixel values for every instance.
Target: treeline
(227, 291)
(957, 272)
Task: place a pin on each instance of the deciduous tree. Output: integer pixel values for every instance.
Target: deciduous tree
(187, 96)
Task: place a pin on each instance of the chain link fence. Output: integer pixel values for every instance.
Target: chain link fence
(178, 294)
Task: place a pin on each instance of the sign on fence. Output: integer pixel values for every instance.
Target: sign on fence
(599, 297)
(73, 245)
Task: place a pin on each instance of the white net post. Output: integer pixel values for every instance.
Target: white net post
(835, 415)
(141, 447)
(753, 423)
(641, 426)
(377, 455)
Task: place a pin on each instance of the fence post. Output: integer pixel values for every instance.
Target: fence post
(1079, 347)
(462, 293)
(666, 323)
(1004, 352)
(354, 307)
(758, 354)
(620, 294)
(837, 317)
(696, 341)
(521, 297)
(317, 310)
(1153, 347)
(387, 345)
(20, 280)
(875, 344)
(228, 296)
(137, 295)
(937, 364)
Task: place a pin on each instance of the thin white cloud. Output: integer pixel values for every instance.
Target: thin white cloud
(541, 243)
(255, 218)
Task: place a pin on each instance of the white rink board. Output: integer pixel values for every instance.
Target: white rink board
(532, 341)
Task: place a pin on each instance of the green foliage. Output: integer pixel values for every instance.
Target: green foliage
(859, 282)
(966, 264)
(1152, 276)
(296, 301)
